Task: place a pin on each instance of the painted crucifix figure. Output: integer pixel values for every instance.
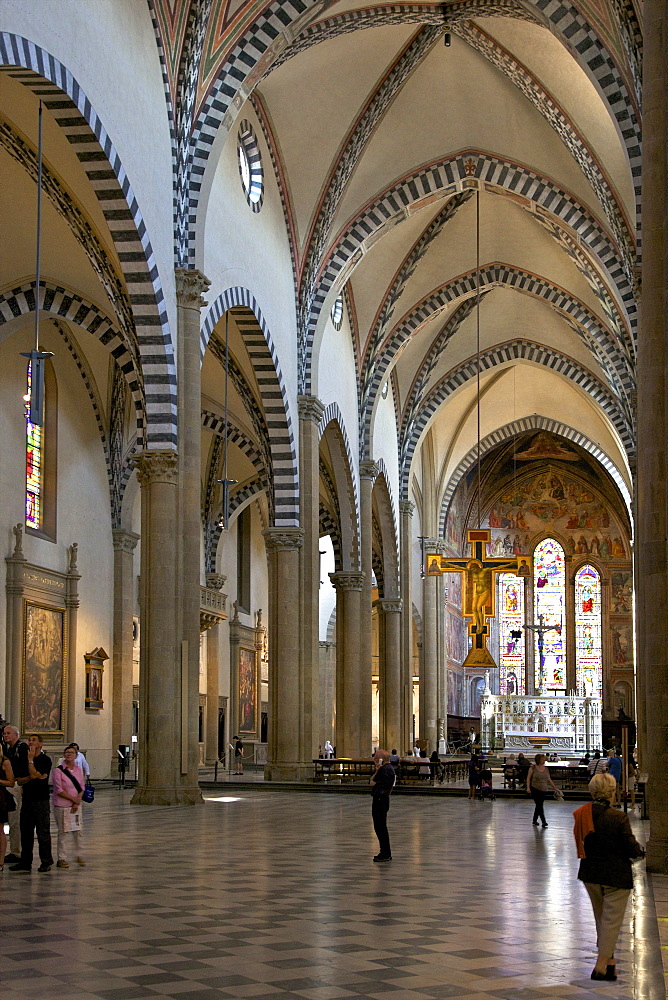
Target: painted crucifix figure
(479, 572)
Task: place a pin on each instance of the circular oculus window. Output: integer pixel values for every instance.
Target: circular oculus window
(250, 165)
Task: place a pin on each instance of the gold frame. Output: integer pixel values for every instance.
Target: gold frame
(31, 724)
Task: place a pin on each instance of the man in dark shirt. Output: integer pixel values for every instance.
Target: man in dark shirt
(16, 751)
(382, 783)
(35, 814)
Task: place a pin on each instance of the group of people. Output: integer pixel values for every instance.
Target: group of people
(604, 841)
(25, 799)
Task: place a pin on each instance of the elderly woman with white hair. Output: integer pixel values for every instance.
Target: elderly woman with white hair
(605, 845)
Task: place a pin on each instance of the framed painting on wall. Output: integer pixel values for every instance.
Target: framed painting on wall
(248, 691)
(44, 659)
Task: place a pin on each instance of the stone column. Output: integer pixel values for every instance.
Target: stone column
(348, 675)
(310, 415)
(14, 629)
(390, 674)
(285, 694)
(190, 286)
(652, 523)
(163, 676)
(368, 474)
(406, 510)
(72, 605)
(215, 581)
(429, 672)
(125, 543)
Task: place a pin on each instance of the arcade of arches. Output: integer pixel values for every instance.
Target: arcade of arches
(286, 251)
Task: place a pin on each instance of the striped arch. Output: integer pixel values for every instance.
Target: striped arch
(284, 25)
(598, 339)
(65, 304)
(328, 526)
(387, 524)
(253, 489)
(517, 350)
(264, 359)
(446, 177)
(331, 414)
(332, 426)
(61, 94)
(534, 422)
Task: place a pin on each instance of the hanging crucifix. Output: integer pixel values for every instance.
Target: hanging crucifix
(478, 601)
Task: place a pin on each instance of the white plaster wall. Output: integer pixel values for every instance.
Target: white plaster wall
(336, 378)
(110, 48)
(251, 249)
(327, 593)
(83, 516)
(386, 443)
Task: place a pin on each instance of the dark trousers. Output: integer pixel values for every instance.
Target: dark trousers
(35, 816)
(538, 799)
(380, 806)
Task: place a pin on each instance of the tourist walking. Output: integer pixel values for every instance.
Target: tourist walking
(615, 766)
(382, 783)
(605, 845)
(68, 785)
(539, 785)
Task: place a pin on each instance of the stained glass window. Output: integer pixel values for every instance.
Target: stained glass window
(34, 465)
(549, 601)
(510, 604)
(588, 632)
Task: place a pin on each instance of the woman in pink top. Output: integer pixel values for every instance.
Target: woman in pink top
(68, 785)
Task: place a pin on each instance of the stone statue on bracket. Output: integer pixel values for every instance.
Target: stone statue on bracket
(18, 545)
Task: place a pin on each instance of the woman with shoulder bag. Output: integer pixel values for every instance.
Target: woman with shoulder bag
(7, 803)
(68, 786)
(606, 846)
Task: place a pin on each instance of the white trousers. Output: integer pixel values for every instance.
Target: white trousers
(609, 905)
(75, 837)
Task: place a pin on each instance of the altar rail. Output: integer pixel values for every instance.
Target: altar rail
(408, 770)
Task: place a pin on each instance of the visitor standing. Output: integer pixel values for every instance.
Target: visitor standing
(7, 804)
(605, 845)
(16, 751)
(68, 786)
(474, 775)
(615, 769)
(238, 755)
(539, 784)
(35, 814)
(382, 783)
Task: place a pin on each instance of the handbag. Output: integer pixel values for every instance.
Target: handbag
(559, 795)
(89, 791)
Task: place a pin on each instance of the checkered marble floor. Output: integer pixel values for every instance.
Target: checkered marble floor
(274, 896)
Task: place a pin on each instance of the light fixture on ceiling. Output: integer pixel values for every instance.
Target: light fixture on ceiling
(447, 39)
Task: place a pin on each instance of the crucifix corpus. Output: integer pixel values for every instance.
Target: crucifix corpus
(478, 591)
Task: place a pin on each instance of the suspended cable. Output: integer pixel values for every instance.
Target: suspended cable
(477, 299)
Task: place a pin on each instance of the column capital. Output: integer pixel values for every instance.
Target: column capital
(280, 539)
(406, 508)
(124, 541)
(215, 581)
(347, 581)
(190, 286)
(391, 606)
(310, 408)
(156, 466)
(369, 470)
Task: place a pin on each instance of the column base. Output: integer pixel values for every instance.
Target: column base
(175, 795)
(288, 771)
(657, 855)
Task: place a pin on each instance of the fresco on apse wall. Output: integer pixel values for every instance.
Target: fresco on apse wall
(622, 593)
(454, 526)
(622, 643)
(553, 501)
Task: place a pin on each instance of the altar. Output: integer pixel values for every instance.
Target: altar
(567, 723)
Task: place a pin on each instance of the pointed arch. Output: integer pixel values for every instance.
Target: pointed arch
(332, 430)
(516, 350)
(511, 430)
(264, 359)
(385, 511)
(61, 94)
